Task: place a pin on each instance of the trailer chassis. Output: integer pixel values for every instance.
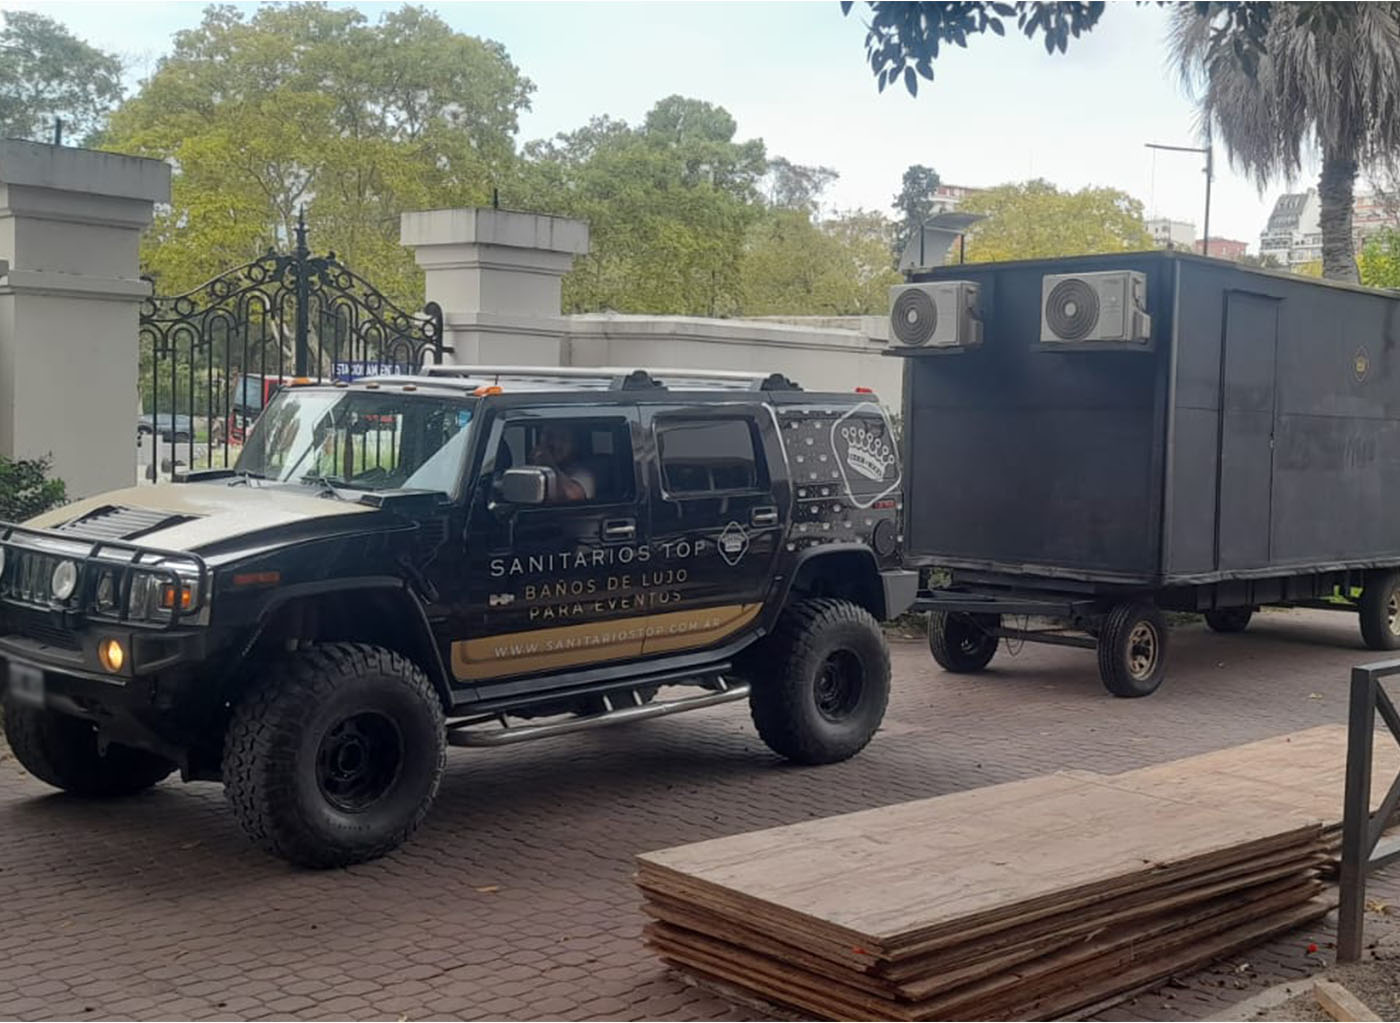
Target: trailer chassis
(1125, 624)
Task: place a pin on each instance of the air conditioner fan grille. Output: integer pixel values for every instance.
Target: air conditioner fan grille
(914, 317)
(1072, 310)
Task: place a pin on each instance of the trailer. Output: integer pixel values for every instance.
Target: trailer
(1092, 442)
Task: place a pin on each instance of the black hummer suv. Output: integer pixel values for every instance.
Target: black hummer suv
(470, 557)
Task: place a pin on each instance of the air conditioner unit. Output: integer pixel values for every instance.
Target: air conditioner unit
(1106, 306)
(939, 314)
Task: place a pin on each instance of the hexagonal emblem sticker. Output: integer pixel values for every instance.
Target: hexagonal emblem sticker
(863, 440)
(733, 543)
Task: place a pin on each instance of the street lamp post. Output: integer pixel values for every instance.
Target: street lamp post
(1207, 149)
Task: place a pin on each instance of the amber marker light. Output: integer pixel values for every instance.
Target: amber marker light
(112, 655)
(167, 597)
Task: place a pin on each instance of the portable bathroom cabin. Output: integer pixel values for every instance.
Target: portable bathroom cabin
(1099, 438)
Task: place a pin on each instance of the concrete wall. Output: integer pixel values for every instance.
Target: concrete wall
(827, 358)
(496, 275)
(70, 224)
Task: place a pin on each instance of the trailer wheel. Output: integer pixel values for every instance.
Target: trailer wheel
(1229, 619)
(1380, 610)
(1133, 649)
(962, 642)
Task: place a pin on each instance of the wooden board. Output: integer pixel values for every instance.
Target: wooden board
(1024, 900)
(1146, 963)
(882, 879)
(952, 965)
(1341, 1004)
(1299, 773)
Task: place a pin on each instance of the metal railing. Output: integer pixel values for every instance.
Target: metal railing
(1362, 851)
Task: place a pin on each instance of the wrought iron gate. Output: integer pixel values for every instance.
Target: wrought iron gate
(213, 356)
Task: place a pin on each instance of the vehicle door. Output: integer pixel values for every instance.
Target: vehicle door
(555, 585)
(720, 505)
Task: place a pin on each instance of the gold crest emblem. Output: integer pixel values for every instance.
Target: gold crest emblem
(1360, 364)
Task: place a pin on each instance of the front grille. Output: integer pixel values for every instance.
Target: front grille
(50, 635)
(116, 580)
(28, 575)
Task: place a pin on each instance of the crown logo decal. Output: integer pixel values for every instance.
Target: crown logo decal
(868, 452)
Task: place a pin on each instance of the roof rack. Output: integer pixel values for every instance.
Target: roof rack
(607, 378)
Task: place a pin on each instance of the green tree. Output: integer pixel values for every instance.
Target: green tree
(1379, 261)
(1334, 84)
(1036, 220)
(310, 106)
(914, 203)
(1273, 77)
(839, 267)
(902, 40)
(795, 186)
(669, 204)
(47, 73)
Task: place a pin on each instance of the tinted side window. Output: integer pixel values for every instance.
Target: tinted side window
(596, 453)
(710, 456)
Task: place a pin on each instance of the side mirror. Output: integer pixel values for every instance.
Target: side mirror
(526, 485)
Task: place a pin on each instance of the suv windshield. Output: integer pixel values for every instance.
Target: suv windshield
(366, 440)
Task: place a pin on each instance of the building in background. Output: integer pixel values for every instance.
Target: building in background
(1372, 212)
(1171, 234)
(1293, 236)
(947, 198)
(1224, 248)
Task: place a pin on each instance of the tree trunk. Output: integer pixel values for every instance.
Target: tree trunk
(1334, 192)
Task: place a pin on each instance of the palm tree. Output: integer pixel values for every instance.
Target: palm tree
(1330, 81)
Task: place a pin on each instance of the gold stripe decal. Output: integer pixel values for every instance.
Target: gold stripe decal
(568, 646)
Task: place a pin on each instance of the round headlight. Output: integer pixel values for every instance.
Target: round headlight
(65, 579)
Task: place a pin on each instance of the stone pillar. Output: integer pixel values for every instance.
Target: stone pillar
(70, 222)
(497, 275)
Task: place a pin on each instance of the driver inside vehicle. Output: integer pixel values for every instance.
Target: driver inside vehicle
(557, 449)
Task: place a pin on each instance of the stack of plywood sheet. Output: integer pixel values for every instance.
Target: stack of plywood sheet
(1302, 772)
(1017, 901)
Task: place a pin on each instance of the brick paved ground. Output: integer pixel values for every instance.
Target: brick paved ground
(516, 900)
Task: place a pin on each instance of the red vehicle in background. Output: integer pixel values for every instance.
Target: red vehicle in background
(251, 393)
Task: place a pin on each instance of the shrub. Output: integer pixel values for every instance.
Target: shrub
(26, 489)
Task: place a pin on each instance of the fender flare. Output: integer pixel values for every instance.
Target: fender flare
(847, 550)
(418, 616)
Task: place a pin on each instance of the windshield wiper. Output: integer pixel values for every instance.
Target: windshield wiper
(328, 484)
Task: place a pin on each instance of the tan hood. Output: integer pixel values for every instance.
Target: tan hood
(218, 511)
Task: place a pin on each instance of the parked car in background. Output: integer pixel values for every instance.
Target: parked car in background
(181, 426)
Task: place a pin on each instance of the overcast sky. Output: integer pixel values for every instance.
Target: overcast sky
(794, 74)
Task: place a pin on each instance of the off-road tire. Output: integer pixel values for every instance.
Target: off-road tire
(288, 736)
(1380, 610)
(1132, 649)
(961, 642)
(1229, 619)
(793, 675)
(63, 751)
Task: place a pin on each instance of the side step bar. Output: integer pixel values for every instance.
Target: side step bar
(459, 734)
